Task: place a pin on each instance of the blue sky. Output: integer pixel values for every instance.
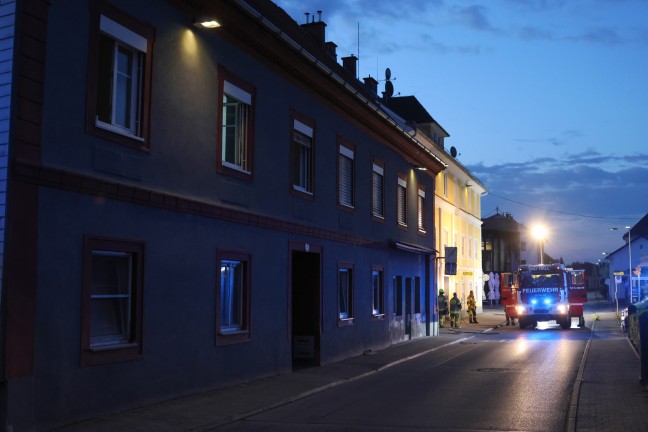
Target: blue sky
(546, 101)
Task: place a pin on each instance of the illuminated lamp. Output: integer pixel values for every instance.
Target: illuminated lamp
(206, 22)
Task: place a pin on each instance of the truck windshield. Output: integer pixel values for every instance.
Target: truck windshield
(531, 280)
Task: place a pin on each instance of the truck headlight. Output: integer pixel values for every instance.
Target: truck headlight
(520, 309)
(562, 308)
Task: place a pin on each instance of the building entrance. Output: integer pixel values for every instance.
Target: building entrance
(306, 307)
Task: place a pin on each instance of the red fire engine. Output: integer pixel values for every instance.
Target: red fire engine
(544, 292)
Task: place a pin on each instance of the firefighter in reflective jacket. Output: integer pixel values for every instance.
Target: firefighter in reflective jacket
(471, 304)
(442, 307)
(455, 310)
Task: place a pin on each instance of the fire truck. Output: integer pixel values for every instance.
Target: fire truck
(544, 292)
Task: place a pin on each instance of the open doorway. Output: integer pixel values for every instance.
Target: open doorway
(306, 306)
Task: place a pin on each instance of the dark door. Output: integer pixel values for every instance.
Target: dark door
(305, 309)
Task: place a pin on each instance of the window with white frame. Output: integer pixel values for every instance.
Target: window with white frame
(233, 297)
(421, 209)
(119, 76)
(378, 191)
(119, 91)
(345, 291)
(445, 184)
(111, 297)
(235, 137)
(112, 300)
(346, 176)
(302, 157)
(377, 291)
(401, 201)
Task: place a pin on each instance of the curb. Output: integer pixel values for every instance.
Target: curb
(241, 416)
(572, 411)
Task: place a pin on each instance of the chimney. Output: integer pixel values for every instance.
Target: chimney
(316, 28)
(350, 63)
(331, 49)
(371, 84)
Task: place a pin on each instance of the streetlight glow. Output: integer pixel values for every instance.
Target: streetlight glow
(539, 232)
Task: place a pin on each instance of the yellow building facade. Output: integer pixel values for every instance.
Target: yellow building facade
(457, 205)
(458, 223)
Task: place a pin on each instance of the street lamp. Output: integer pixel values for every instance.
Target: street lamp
(540, 232)
(629, 259)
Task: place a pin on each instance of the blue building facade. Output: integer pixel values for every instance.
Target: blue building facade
(188, 208)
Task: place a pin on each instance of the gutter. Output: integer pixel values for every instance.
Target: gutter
(265, 22)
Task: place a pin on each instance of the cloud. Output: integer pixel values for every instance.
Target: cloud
(429, 44)
(579, 183)
(530, 33)
(603, 36)
(564, 139)
(474, 17)
(538, 5)
(577, 196)
(361, 9)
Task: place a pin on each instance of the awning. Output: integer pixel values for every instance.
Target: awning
(407, 247)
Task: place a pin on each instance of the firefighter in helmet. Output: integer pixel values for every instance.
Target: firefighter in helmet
(471, 304)
(455, 310)
(442, 307)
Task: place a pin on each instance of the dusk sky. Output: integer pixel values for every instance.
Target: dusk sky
(546, 101)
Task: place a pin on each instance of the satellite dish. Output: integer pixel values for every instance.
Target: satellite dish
(387, 74)
(389, 89)
(453, 152)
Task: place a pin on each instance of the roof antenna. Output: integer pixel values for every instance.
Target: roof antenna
(358, 71)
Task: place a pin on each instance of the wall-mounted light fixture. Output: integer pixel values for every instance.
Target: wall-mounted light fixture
(205, 22)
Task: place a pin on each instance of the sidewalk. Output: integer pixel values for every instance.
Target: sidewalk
(212, 409)
(606, 397)
(610, 397)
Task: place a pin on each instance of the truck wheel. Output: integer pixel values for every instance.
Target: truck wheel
(522, 322)
(565, 323)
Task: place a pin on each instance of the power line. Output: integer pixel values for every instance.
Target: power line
(560, 212)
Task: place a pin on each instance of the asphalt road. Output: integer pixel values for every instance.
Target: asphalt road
(504, 380)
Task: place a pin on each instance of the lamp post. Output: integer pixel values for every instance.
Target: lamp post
(629, 258)
(540, 232)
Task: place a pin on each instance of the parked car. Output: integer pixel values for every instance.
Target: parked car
(632, 309)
